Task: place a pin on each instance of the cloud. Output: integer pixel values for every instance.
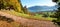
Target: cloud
(30, 3)
(48, 4)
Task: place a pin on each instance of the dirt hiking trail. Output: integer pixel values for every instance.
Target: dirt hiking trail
(29, 22)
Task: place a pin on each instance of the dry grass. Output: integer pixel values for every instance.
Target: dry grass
(27, 16)
(5, 24)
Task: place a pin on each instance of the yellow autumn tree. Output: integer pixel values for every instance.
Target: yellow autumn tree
(15, 3)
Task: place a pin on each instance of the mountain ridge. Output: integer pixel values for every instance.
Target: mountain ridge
(42, 8)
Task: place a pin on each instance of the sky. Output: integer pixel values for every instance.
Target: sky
(30, 3)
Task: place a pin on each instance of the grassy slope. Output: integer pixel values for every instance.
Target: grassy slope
(38, 17)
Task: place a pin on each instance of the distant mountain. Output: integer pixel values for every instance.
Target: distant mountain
(42, 8)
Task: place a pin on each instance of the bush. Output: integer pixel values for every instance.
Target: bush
(45, 15)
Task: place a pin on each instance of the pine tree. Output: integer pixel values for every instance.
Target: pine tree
(57, 14)
(25, 10)
(54, 0)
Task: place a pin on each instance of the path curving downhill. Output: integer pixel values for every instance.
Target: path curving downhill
(29, 22)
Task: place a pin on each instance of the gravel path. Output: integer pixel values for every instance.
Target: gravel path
(29, 22)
